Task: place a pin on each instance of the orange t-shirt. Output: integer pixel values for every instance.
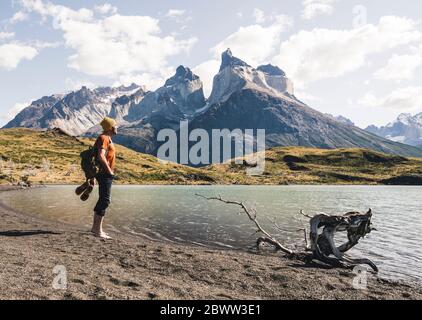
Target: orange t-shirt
(104, 142)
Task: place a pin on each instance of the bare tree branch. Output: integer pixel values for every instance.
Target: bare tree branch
(305, 215)
(253, 217)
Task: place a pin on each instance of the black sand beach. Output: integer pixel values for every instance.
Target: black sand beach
(130, 267)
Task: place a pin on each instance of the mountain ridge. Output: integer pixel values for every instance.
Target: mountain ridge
(407, 128)
(74, 112)
(289, 124)
(243, 97)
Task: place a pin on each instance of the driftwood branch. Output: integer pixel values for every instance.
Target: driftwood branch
(321, 237)
(252, 215)
(323, 228)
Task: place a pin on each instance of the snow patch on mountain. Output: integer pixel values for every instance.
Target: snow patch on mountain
(180, 98)
(341, 119)
(74, 112)
(407, 128)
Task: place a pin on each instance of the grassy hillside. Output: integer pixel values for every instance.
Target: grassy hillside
(298, 165)
(53, 157)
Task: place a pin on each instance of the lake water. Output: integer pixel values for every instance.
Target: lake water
(175, 213)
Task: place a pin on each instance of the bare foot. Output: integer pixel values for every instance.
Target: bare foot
(101, 235)
(105, 236)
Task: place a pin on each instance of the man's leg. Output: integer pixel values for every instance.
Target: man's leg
(97, 227)
(104, 190)
(97, 223)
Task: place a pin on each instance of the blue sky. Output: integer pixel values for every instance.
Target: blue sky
(360, 59)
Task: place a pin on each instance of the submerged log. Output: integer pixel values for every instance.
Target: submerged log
(323, 227)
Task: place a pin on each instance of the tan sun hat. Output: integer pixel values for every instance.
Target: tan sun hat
(108, 123)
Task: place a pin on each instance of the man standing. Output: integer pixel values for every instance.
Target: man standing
(107, 158)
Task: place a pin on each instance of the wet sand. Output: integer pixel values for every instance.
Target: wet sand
(131, 267)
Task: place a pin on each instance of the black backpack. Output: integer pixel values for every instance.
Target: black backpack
(89, 162)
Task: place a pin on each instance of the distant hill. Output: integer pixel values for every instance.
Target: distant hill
(52, 157)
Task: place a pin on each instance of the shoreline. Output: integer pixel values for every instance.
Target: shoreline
(11, 187)
(133, 267)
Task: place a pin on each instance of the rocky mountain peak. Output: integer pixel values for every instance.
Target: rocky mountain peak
(235, 75)
(182, 75)
(184, 86)
(83, 91)
(407, 128)
(341, 119)
(228, 60)
(75, 111)
(180, 97)
(133, 86)
(79, 98)
(243, 97)
(271, 70)
(404, 117)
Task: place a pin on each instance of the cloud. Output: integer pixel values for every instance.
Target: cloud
(179, 16)
(314, 8)
(259, 15)
(58, 13)
(206, 72)
(76, 84)
(307, 97)
(174, 13)
(400, 67)
(106, 8)
(113, 46)
(404, 99)
(152, 81)
(6, 35)
(45, 45)
(19, 17)
(265, 40)
(240, 43)
(13, 111)
(326, 53)
(11, 54)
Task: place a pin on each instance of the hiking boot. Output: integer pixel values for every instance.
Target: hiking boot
(79, 190)
(87, 192)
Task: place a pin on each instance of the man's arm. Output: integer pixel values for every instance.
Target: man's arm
(103, 161)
